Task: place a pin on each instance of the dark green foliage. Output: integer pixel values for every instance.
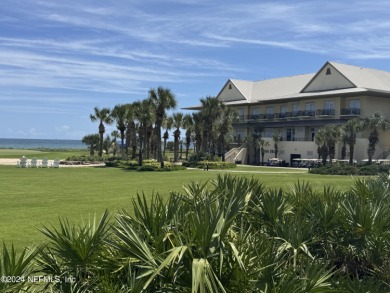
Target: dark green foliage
(210, 164)
(336, 169)
(148, 165)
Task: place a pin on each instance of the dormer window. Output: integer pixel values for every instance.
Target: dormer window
(328, 72)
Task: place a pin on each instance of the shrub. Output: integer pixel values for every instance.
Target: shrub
(336, 169)
(211, 164)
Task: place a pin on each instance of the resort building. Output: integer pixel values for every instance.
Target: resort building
(296, 107)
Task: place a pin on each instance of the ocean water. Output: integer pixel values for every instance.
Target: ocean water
(16, 143)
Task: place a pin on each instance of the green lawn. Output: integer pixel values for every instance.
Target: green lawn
(31, 198)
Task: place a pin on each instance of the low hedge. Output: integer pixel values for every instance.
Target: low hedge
(211, 165)
(89, 159)
(147, 165)
(336, 169)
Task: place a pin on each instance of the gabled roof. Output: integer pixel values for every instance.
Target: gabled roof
(367, 78)
(343, 79)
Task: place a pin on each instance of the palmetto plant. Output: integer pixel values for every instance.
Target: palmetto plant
(15, 269)
(74, 252)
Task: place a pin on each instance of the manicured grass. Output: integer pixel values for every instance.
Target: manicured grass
(31, 198)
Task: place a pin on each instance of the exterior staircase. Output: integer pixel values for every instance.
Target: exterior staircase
(236, 154)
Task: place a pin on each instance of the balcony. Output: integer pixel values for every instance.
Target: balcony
(307, 114)
(350, 112)
(258, 117)
(325, 112)
(282, 115)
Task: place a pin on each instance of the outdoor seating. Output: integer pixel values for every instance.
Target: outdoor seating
(33, 163)
(45, 163)
(22, 163)
(56, 163)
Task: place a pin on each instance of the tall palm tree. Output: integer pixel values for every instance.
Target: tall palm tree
(162, 99)
(198, 129)
(188, 124)
(333, 135)
(114, 141)
(93, 141)
(262, 144)
(131, 131)
(143, 113)
(119, 115)
(374, 123)
(177, 119)
(107, 144)
(322, 149)
(211, 111)
(351, 128)
(276, 140)
(167, 124)
(328, 137)
(103, 116)
(224, 127)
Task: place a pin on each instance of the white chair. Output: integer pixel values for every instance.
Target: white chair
(22, 163)
(34, 163)
(56, 163)
(45, 163)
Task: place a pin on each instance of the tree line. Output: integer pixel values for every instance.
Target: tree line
(139, 127)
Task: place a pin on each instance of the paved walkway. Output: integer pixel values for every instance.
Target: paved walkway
(281, 171)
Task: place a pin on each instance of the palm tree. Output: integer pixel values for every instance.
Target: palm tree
(177, 119)
(188, 124)
(322, 149)
(131, 131)
(224, 127)
(119, 115)
(262, 143)
(328, 136)
(374, 123)
(276, 139)
(93, 141)
(333, 135)
(115, 135)
(211, 111)
(107, 144)
(162, 99)
(103, 116)
(143, 113)
(198, 129)
(351, 128)
(167, 124)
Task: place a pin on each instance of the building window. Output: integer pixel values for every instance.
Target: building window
(295, 110)
(239, 135)
(310, 109)
(328, 71)
(283, 109)
(313, 133)
(329, 105)
(230, 86)
(354, 104)
(328, 108)
(290, 134)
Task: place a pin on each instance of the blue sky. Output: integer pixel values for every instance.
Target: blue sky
(60, 59)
